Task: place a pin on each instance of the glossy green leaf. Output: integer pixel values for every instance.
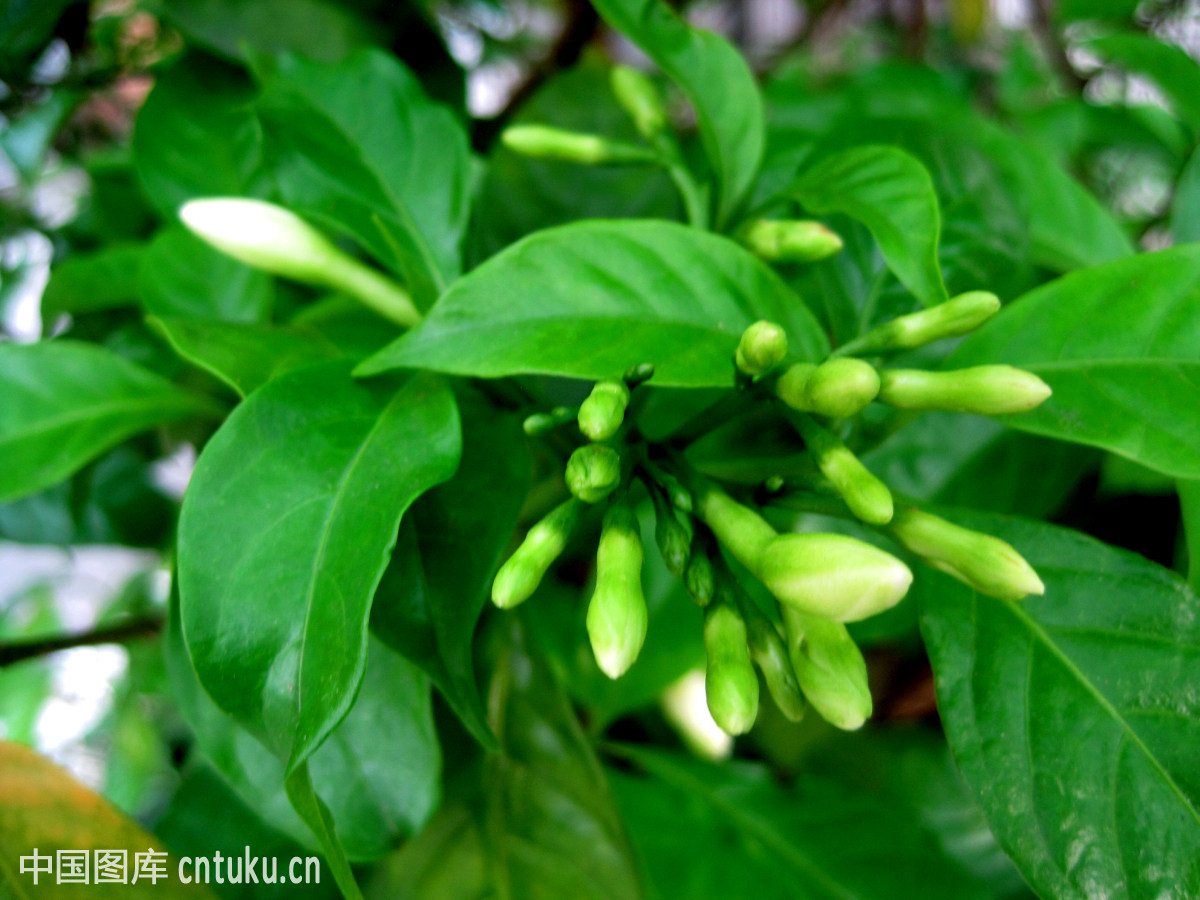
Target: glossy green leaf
(450, 546)
(1169, 66)
(705, 830)
(1185, 205)
(245, 356)
(716, 80)
(398, 183)
(90, 282)
(891, 193)
(377, 771)
(1120, 346)
(1073, 715)
(590, 300)
(25, 26)
(196, 135)
(182, 277)
(66, 402)
(300, 494)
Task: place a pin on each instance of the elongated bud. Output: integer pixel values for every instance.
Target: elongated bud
(984, 390)
(841, 387)
(792, 386)
(520, 576)
(617, 616)
(954, 318)
(729, 680)
(673, 536)
(790, 240)
(601, 414)
(547, 142)
(832, 576)
(593, 472)
(699, 578)
(770, 654)
(542, 423)
(867, 496)
(987, 564)
(640, 98)
(276, 240)
(762, 347)
(830, 668)
(743, 532)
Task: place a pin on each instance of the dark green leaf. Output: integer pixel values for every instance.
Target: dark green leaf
(90, 282)
(731, 831)
(1073, 715)
(25, 26)
(1170, 67)
(714, 77)
(299, 495)
(183, 277)
(590, 300)
(891, 193)
(244, 356)
(1185, 206)
(1119, 344)
(66, 403)
(398, 183)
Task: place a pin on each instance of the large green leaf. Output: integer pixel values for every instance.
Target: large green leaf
(1169, 66)
(1120, 346)
(245, 356)
(433, 593)
(715, 78)
(732, 831)
(377, 771)
(360, 147)
(1074, 716)
(1185, 205)
(591, 299)
(891, 193)
(65, 403)
(182, 277)
(284, 535)
(90, 282)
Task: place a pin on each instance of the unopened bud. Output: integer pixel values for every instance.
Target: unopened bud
(640, 98)
(699, 578)
(762, 347)
(832, 576)
(729, 680)
(841, 387)
(954, 318)
(617, 615)
(638, 374)
(593, 472)
(601, 414)
(868, 497)
(743, 532)
(543, 423)
(770, 654)
(276, 240)
(790, 240)
(987, 564)
(680, 497)
(673, 536)
(547, 142)
(984, 390)
(792, 386)
(830, 668)
(520, 576)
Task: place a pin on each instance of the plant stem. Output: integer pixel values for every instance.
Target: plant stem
(378, 292)
(135, 629)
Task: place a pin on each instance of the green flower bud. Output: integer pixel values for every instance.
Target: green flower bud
(867, 496)
(762, 347)
(984, 390)
(601, 414)
(770, 654)
(985, 563)
(543, 423)
(593, 472)
(830, 668)
(841, 387)
(832, 576)
(674, 537)
(958, 316)
(617, 616)
(547, 142)
(789, 240)
(792, 386)
(276, 240)
(520, 576)
(639, 97)
(729, 680)
(743, 532)
(699, 578)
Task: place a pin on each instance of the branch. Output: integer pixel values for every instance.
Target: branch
(1043, 26)
(134, 629)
